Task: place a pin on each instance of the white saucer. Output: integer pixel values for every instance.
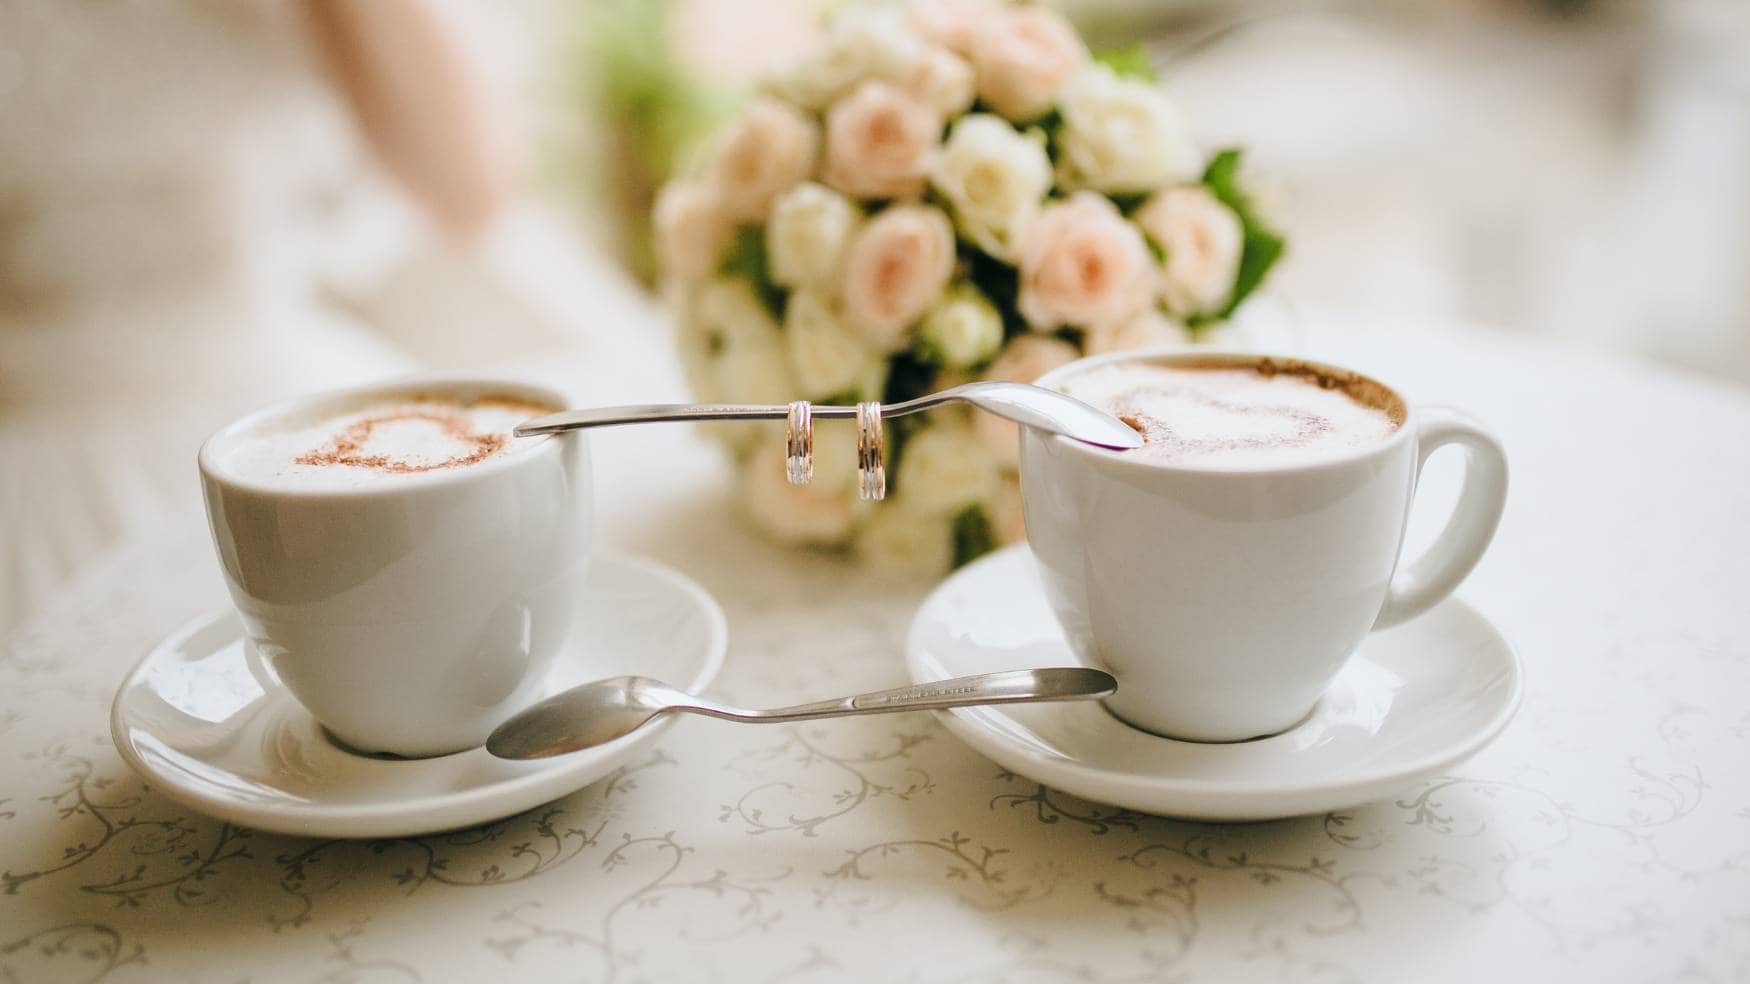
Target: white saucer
(195, 724)
(1413, 702)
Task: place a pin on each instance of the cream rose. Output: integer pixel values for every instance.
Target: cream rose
(942, 81)
(748, 364)
(691, 231)
(994, 177)
(953, 24)
(944, 468)
(753, 371)
(699, 348)
(881, 43)
(1148, 329)
(863, 43)
(807, 234)
(827, 358)
(1024, 57)
(963, 329)
(895, 269)
(1082, 264)
(1024, 359)
(880, 142)
(812, 514)
(1202, 240)
(763, 153)
(902, 543)
(730, 310)
(1121, 135)
(835, 456)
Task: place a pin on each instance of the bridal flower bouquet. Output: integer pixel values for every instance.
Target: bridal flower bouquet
(951, 191)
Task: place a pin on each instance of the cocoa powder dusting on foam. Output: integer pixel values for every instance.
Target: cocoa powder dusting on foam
(348, 447)
(1167, 442)
(1230, 411)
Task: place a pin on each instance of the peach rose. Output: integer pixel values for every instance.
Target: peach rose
(1024, 57)
(880, 142)
(1149, 329)
(1203, 241)
(767, 150)
(894, 270)
(691, 231)
(1082, 264)
(942, 81)
(953, 24)
(816, 514)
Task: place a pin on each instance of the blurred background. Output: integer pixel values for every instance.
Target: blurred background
(1572, 168)
(208, 205)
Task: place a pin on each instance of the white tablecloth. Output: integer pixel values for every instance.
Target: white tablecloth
(1606, 836)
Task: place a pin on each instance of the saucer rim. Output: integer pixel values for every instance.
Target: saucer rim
(399, 818)
(973, 720)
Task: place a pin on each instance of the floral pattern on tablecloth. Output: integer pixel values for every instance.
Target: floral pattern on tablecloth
(1605, 836)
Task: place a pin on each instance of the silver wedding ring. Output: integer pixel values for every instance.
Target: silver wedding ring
(871, 472)
(799, 443)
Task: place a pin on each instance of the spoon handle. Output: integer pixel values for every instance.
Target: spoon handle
(1006, 687)
(647, 413)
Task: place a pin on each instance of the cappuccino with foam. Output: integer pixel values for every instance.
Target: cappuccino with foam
(402, 565)
(381, 439)
(1246, 415)
(1226, 570)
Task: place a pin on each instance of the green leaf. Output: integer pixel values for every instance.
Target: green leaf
(1128, 202)
(747, 258)
(1128, 63)
(1049, 130)
(999, 281)
(1263, 245)
(650, 107)
(909, 376)
(972, 535)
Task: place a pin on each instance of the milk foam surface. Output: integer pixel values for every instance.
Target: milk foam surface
(380, 440)
(1240, 416)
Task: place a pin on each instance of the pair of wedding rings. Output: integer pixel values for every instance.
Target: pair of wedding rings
(799, 448)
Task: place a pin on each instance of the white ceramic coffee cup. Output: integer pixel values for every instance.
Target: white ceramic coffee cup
(412, 616)
(1226, 598)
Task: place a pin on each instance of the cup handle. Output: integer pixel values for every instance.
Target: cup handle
(1432, 576)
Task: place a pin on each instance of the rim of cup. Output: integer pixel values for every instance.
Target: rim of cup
(437, 384)
(1219, 358)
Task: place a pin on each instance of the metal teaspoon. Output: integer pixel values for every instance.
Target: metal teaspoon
(598, 712)
(1023, 403)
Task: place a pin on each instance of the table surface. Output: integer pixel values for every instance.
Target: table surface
(1605, 836)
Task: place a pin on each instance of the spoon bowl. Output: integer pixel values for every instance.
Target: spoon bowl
(583, 717)
(1035, 406)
